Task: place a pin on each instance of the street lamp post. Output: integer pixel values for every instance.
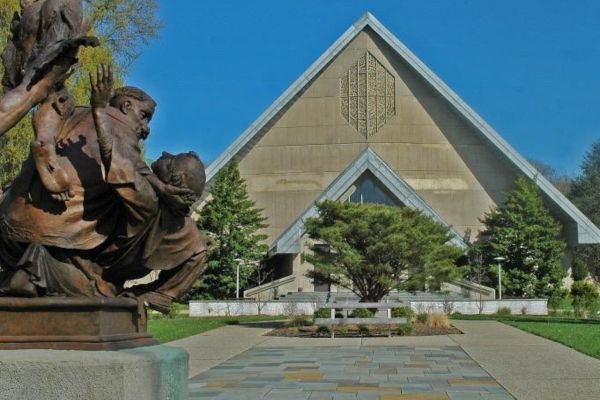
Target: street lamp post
(237, 282)
(237, 277)
(499, 260)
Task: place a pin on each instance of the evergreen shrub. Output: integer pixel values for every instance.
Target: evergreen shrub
(585, 298)
(504, 311)
(322, 313)
(422, 318)
(361, 313)
(403, 312)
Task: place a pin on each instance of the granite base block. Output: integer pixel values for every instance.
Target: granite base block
(149, 373)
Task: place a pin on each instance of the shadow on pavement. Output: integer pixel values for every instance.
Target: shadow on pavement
(260, 324)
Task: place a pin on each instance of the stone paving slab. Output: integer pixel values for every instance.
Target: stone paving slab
(348, 372)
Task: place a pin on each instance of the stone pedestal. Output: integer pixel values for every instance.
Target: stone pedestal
(148, 373)
(62, 323)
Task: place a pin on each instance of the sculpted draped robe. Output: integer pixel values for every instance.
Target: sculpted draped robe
(29, 215)
(113, 229)
(58, 242)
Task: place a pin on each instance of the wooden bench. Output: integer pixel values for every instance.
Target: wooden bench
(389, 321)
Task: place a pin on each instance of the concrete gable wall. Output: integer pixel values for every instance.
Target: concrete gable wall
(435, 151)
(426, 143)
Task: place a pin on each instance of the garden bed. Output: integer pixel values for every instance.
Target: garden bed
(314, 331)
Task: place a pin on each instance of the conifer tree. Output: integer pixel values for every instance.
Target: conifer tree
(232, 222)
(371, 249)
(523, 232)
(585, 194)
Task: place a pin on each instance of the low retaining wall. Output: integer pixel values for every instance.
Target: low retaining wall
(516, 306)
(248, 307)
(245, 307)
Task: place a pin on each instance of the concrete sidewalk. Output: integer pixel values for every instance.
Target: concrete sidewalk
(528, 366)
(211, 348)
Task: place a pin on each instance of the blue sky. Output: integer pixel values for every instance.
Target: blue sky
(530, 68)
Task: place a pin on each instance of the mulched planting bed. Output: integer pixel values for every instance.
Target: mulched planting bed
(354, 331)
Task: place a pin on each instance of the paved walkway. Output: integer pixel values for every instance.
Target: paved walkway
(348, 372)
(485, 362)
(213, 347)
(528, 366)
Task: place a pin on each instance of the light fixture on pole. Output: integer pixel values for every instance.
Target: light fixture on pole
(499, 261)
(238, 261)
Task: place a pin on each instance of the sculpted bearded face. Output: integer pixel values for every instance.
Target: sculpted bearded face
(138, 108)
(140, 113)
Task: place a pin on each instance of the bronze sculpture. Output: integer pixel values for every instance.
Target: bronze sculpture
(86, 214)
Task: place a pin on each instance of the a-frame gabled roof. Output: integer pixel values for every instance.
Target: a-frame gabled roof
(289, 241)
(586, 231)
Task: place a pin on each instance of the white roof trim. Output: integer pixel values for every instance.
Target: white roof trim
(289, 241)
(587, 232)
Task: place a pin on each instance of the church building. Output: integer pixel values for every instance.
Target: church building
(369, 122)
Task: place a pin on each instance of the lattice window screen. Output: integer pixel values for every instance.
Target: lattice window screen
(367, 94)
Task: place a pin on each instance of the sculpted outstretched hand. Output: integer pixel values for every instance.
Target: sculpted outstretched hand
(102, 89)
(102, 86)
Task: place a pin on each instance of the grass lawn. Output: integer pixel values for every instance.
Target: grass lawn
(167, 330)
(583, 337)
(525, 318)
(580, 334)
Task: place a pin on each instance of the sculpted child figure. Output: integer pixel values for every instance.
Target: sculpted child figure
(48, 120)
(43, 30)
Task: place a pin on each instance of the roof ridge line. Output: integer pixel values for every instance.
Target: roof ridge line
(590, 233)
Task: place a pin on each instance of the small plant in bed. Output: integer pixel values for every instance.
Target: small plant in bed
(364, 330)
(438, 321)
(341, 331)
(362, 313)
(523, 310)
(300, 321)
(323, 330)
(406, 329)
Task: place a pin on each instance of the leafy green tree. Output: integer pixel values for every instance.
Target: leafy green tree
(523, 232)
(232, 222)
(371, 249)
(15, 144)
(560, 181)
(585, 194)
(123, 27)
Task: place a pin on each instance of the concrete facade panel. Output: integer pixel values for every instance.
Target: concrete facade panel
(297, 159)
(311, 135)
(425, 142)
(306, 181)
